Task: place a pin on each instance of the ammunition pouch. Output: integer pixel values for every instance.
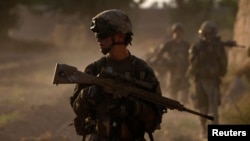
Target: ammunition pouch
(122, 108)
(79, 124)
(83, 126)
(93, 94)
(84, 107)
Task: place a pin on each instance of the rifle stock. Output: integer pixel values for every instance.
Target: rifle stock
(65, 74)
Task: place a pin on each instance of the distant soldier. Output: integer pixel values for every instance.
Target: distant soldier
(157, 63)
(174, 56)
(208, 64)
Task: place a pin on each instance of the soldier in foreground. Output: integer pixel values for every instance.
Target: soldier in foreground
(173, 55)
(101, 115)
(208, 65)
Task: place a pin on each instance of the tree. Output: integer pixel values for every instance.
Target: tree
(193, 12)
(8, 16)
(242, 33)
(83, 8)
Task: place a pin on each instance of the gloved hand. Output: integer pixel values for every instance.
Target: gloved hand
(230, 43)
(83, 126)
(127, 107)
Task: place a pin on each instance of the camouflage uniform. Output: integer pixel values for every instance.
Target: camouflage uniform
(106, 116)
(157, 62)
(176, 62)
(208, 64)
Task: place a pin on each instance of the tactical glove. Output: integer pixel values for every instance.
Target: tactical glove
(230, 43)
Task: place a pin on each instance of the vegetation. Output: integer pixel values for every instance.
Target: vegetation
(7, 118)
(82, 8)
(238, 111)
(182, 10)
(27, 67)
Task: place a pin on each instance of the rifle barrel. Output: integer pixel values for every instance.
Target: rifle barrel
(200, 114)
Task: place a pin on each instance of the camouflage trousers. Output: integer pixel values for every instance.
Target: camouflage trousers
(207, 100)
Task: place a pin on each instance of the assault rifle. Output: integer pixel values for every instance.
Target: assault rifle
(231, 43)
(65, 74)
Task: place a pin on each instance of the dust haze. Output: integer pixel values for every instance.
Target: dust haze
(33, 109)
(39, 109)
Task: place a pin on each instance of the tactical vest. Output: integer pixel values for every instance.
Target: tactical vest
(132, 66)
(208, 59)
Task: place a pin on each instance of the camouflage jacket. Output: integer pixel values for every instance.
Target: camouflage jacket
(208, 59)
(132, 66)
(177, 56)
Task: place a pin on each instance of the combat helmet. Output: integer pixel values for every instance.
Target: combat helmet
(177, 27)
(111, 21)
(208, 27)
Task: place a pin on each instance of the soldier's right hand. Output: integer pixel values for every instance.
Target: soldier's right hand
(230, 43)
(127, 108)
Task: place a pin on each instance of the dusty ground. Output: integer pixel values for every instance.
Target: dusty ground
(33, 109)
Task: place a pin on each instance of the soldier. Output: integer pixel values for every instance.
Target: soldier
(102, 115)
(208, 64)
(157, 62)
(175, 54)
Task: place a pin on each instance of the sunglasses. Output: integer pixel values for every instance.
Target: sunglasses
(101, 36)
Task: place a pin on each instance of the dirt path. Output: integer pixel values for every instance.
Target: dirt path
(42, 111)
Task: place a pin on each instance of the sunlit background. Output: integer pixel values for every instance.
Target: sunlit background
(155, 3)
(35, 35)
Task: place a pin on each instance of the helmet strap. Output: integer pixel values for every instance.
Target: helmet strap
(106, 50)
(117, 43)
